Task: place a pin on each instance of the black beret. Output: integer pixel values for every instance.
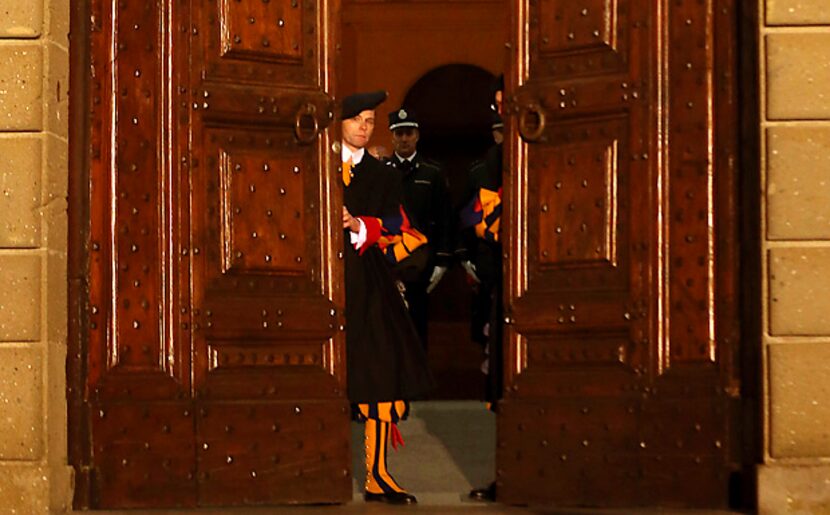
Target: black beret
(402, 118)
(355, 104)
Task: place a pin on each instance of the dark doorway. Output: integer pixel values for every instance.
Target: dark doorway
(453, 107)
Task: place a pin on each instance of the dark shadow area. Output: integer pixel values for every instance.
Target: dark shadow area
(453, 107)
(743, 486)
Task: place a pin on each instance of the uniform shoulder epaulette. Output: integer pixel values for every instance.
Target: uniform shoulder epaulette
(429, 163)
(477, 164)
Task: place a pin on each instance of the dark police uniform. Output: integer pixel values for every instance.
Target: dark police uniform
(427, 202)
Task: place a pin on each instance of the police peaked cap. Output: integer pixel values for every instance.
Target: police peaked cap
(355, 104)
(402, 118)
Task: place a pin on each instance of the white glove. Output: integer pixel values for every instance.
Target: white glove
(471, 270)
(402, 290)
(437, 273)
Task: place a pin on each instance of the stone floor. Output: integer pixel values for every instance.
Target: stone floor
(449, 449)
(360, 508)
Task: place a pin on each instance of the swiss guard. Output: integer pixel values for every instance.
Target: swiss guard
(386, 363)
(481, 255)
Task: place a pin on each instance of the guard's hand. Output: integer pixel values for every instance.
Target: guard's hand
(470, 268)
(349, 222)
(437, 273)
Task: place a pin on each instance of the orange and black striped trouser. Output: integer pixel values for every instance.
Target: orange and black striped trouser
(379, 420)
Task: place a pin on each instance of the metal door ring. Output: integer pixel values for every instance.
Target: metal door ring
(307, 111)
(531, 131)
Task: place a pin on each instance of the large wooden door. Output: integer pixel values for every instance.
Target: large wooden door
(216, 347)
(621, 302)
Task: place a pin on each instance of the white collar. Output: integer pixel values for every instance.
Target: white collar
(356, 156)
(410, 158)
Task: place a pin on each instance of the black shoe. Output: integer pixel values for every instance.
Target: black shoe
(391, 498)
(488, 493)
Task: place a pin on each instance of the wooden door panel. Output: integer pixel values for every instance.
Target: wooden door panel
(273, 444)
(585, 37)
(277, 35)
(137, 392)
(130, 231)
(215, 287)
(145, 454)
(686, 441)
(621, 272)
(579, 236)
(259, 212)
(561, 447)
(584, 267)
(276, 42)
(267, 298)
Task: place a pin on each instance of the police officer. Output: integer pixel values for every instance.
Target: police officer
(426, 200)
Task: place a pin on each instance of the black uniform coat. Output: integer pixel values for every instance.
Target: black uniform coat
(487, 303)
(485, 173)
(427, 201)
(385, 360)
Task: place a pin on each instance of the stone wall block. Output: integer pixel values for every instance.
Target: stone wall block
(57, 87)
(24, 488)
(797, 12)
(57, 22)
(797, 74)
(20, 191)
(799, 400)
(21, 77)
(793, 489)
(55, 294)
(799, 279)
(20, 286)
(54, 219)
(56, 178)
(21, 19)
(798, 183)
(21, 403)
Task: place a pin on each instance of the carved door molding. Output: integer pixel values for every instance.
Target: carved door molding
(216, 359)
(622, 385)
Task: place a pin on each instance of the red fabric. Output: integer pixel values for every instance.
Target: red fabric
(395, 436)
(372, 232)
(405, 227)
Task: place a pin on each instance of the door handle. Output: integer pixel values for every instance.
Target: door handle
(306, 135)
(532, 122)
